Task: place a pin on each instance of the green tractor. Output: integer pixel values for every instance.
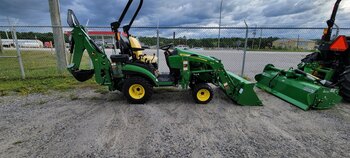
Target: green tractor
(332, 61)
(135, 74)
(321, 78)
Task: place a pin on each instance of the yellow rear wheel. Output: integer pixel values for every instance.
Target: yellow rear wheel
(136, 91)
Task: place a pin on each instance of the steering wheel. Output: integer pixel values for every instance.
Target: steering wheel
(166, 47)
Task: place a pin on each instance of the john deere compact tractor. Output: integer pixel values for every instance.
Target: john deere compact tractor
(320, 79)
(135, 74)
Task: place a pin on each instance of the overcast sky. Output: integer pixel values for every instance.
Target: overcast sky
(183, 12)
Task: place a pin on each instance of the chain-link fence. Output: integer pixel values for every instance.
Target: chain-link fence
(281, 46)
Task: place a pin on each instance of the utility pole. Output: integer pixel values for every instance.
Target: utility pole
(58, 35)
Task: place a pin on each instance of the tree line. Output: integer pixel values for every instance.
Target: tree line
(233, 42)
(44, 37)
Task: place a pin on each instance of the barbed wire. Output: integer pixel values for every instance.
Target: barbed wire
(185, 27)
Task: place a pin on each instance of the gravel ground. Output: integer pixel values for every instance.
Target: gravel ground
(85, 123)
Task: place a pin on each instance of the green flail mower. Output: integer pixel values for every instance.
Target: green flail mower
(321, 79)
(135, 74)
(298, 88)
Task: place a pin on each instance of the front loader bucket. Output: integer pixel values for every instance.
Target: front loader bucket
(297, 89)
(243, 92)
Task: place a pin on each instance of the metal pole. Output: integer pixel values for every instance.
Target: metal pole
(220, 24)
(7, 35)
(58, 35)
(254, 33)
(260, 39)
(103, 43)
(1, 48)
(114, 46)
(245, 47)
(158, 43)
(298, 41)
(14, 35)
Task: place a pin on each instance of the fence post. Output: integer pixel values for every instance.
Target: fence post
(58, 35)
(261, 30)
(14, 35)
(1, 48)
(114, 46)
(245, 47)
(158, 43)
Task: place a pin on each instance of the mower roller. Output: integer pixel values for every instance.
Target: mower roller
(320, 79)
(135, 74)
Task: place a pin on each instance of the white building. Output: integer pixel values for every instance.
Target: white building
(23, 43)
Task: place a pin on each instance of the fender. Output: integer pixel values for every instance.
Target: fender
(132, 69)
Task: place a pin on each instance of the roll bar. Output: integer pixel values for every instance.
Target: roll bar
(330, 22)
(116, 25)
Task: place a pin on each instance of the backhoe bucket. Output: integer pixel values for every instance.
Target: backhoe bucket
(297, 89)
(82, 75)
(243, 92)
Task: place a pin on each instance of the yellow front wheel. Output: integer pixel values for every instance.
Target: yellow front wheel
(202, 93)
(137, 90)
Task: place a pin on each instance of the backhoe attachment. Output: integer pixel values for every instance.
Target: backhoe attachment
(298, 88)
(81, 42)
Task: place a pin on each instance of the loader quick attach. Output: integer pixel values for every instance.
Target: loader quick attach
(135, 74)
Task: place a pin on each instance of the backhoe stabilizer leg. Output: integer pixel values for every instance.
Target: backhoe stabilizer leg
(242, 91)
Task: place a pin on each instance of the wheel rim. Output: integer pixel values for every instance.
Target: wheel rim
(136, 91)
(203, 95)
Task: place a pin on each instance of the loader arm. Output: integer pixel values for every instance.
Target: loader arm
(101, 64)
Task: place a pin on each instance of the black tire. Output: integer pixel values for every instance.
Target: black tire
(191, 85)
(344, 86)
(202, 93)
(142, 89)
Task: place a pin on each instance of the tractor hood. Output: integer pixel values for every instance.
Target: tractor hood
(188, 53)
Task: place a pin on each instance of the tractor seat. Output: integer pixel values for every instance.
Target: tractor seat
(138, 52)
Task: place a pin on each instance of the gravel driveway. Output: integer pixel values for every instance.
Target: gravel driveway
(86, 123)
